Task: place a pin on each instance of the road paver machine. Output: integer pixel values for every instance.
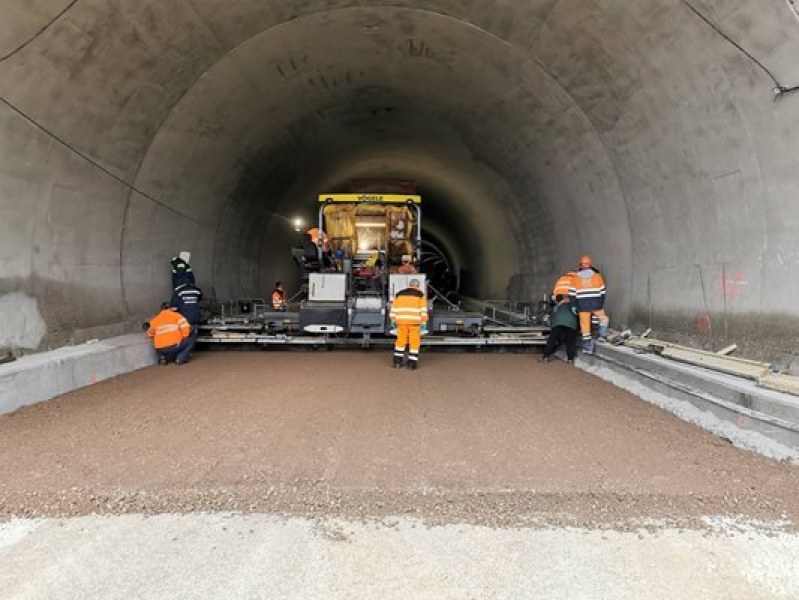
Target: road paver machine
(363, 250)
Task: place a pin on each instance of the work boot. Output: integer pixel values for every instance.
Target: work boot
(546, 359)
(397, 362)
(413, 365)
(603, 333)
(588, 347)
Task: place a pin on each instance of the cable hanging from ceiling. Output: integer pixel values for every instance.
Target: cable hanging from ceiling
(779, 89)
(44, 28)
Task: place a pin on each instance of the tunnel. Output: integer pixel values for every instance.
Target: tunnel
(658, 136)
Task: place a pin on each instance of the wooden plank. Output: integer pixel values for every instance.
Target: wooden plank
(780, 383)
(734, 366)
(650, 345)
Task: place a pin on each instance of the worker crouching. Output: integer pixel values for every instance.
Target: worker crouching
(409, 318)
(171, 335)
(564, 328)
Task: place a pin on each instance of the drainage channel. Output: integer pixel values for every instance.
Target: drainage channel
(735, 409)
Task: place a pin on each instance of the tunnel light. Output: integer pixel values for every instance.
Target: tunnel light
(298, 223)
(363, 246)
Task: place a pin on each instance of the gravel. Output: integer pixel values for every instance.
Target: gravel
(496, 440)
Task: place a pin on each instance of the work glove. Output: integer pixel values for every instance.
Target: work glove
(393, 330)
(423, 329)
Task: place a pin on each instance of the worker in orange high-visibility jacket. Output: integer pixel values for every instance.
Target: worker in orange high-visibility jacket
(278, 297)
(320, 239)
(564, 286)
(171, 335)
(409, 318)
(590, 301)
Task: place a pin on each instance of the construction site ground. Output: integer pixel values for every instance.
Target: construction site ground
(483, 439)
(331, 475)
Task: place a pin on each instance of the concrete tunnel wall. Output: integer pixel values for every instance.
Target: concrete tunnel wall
(537, 130)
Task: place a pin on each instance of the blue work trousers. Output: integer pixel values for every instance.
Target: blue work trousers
(181, 351)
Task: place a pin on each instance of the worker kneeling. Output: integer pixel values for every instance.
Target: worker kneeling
(171, 335)
(590, 300)
(409, 319)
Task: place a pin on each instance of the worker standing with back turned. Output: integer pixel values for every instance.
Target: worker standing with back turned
(186, 299)
(590, 299)
(409, 318)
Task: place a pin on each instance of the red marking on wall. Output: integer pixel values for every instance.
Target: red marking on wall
(733, 284)
(703, 324)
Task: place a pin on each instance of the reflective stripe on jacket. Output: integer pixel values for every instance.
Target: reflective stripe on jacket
(168, 328)
(187, 300)
(181, 272)
(590, 290)
(409, 307)
(564, 286)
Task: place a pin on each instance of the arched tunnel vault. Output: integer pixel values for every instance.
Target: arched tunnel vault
(536, 130)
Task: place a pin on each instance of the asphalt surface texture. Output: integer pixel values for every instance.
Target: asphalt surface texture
(497, 440)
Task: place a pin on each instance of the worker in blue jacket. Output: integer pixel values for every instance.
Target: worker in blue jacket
(564, 328)
(186, 299)
(181, 271)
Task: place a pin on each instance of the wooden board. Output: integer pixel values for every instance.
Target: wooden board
(734, 366)
(780, 383)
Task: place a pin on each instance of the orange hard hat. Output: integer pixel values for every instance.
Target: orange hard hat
(585, 261)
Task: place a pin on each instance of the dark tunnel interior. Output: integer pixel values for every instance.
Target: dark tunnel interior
(536, 131)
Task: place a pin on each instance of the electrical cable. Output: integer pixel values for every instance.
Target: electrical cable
(95, 164)
(63, 142)
(46, 26)
(779, 89)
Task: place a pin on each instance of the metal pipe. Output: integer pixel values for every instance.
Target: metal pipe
(418, 234)
(319, 242)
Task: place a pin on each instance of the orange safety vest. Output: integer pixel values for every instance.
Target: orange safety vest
(315, 232)
(277, 299)
(168, 328)
(409, 307)
(407, 269)
(564, 285)
(589, 290)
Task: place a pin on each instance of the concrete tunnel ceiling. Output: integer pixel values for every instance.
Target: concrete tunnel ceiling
(537, 130)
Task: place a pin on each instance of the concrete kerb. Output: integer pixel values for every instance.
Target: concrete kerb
(40, 377)
(733, 408)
